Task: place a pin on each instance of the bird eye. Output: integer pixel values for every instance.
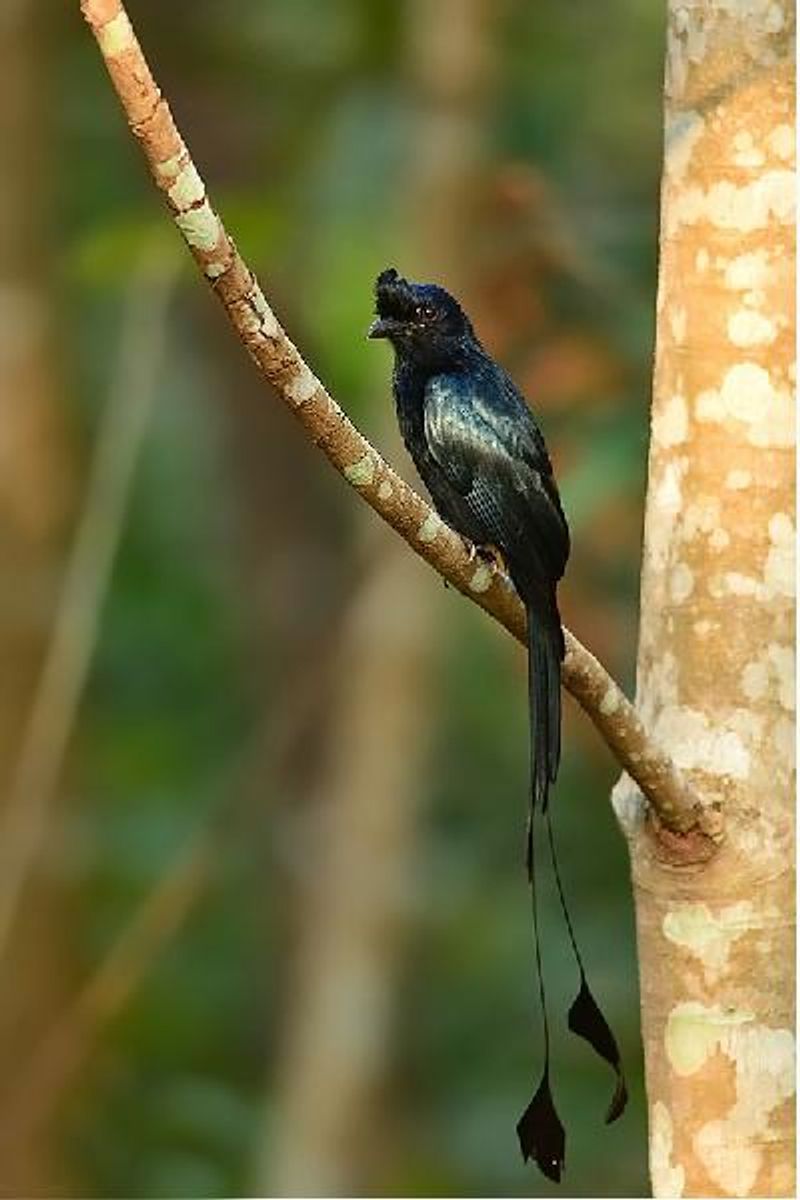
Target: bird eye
(425, 311)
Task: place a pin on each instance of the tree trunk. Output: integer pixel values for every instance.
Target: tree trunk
(716, 651)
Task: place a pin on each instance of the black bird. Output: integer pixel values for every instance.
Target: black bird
(483, 459)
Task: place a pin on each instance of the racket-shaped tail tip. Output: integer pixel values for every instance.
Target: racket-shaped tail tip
(586, 1019)
(619, 1101)
(541, 1134)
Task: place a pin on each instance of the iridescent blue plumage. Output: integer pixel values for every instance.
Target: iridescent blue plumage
(484, 461)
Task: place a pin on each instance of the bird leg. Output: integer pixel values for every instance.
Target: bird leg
(494, 557)
(488, 554)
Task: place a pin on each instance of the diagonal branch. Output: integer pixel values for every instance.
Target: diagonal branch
(677, 805)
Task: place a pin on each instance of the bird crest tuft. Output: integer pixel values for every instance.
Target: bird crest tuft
(404, 299)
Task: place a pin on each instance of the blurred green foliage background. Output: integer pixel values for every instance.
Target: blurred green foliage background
(341, 998)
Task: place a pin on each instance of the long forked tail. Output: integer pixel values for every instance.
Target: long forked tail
(540, 1132)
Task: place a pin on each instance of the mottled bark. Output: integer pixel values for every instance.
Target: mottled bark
(716, 653)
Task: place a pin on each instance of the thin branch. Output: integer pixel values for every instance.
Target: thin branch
(677, 805)
(86, 580)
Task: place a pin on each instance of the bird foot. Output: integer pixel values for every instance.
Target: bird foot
(492, 554)
(489, 556)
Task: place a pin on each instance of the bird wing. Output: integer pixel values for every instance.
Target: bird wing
(486, 443)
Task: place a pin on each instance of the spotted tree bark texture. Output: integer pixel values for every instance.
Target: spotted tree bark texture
(716, 652)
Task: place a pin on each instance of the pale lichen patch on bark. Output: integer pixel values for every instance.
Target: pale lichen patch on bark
(783, 740)
(779, 568)
(677, 322)
(764, 1063)
(745, 151)
(733, 583)
(269, 328)
(430, 528)
(732, 1166)
(737, 208)
(303, 386)
(774, 19)
(671, 423)
(169, 167)
(694, 1031)
(781, 528)
(781, 141)
(778, 579)
(659, 679)
(749, 328)
(188, 189)
(481, 580)
(737, 479)
(629, 805)
(696, 744)
(748, 395)
(611, 700)
(701, 515)
(200, 226)
(668, 493)
(755, 680)
(748, 271)
(681, 583)
(116, 36)
(361, 473)
(665, 511)
(708, 935)
(782, 661)
(668, 1177)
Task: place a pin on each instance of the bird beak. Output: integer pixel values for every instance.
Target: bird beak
(380, 328)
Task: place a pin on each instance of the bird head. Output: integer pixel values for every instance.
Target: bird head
(421, 320)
